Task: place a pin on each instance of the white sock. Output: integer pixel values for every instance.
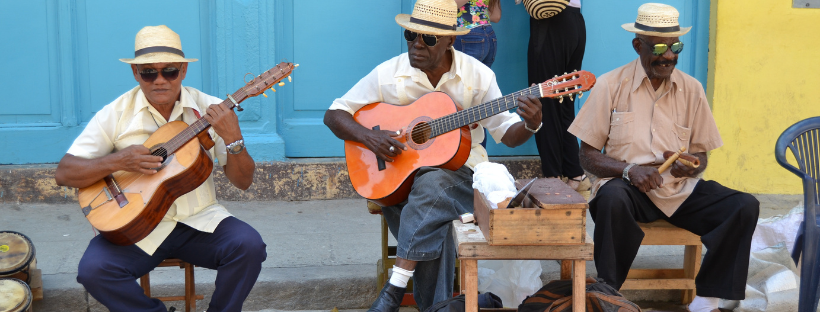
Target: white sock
(704, 304)
(400, 277)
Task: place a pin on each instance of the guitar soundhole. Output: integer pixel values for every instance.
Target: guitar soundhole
(161, 152)
(421, 133)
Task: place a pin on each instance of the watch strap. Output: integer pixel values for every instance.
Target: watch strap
(240, 143)
(625, 175)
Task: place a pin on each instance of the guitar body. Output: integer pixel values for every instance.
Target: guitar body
(148, 196)
(392, 185)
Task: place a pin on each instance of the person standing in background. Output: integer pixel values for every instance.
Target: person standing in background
(556, 47)
(476, 15)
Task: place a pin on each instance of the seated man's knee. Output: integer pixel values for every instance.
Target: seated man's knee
(252, 247)
(91, 270)
(432, 177)
(749, 207)
(612, 197)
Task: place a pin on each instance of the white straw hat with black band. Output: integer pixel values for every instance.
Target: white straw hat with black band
(157, 44)
(656, 19)
(433, 17)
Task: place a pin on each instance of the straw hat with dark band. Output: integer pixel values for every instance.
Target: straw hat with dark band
(433, 17)
(157, 44)
(655, 19)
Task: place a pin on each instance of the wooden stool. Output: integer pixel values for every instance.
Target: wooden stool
(190, 296)
(388, 259)
(662, 233)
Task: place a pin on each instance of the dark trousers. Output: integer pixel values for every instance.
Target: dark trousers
(556, 47)
(109, 272)
(724, 218)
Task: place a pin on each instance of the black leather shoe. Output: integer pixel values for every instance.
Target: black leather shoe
(389, 299)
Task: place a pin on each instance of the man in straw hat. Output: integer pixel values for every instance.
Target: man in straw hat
(634, 114)
(196, 228)
(422, 224)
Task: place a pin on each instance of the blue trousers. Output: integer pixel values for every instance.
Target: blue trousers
(235, 250)
(479, 43)
(423, 229)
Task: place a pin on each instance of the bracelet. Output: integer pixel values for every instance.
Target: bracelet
(625, 175)
(536, 129)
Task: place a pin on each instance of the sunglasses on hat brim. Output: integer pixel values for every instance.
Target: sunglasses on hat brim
(429, 40)
(170, 73)
(660, 48)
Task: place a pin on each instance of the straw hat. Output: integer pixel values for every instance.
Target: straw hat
(157, 44)
(433, 17)
(655, 19)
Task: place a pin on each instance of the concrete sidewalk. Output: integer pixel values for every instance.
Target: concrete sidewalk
(321, 254)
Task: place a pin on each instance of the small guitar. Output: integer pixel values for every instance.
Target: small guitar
(428, 126)
(126, 206)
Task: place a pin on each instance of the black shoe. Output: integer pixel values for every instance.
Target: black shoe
(389, 299)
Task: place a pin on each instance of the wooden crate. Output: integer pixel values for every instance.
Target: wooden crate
(559, 220)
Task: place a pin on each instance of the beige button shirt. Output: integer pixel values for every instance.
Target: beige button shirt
(130, 120)
(468, 82)
(624, 117)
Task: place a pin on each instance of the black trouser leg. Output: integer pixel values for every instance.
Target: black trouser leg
(725, 219)
(556, 46)
(616, 210)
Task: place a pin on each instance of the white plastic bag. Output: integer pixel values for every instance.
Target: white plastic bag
(772, 283)
(778, 229)
(510, 280)
(494, 181)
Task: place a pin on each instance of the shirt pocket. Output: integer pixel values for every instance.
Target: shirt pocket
(620, 128)
(683, 134)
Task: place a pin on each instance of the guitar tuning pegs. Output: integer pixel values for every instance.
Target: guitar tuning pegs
(571, 98)
(290, 79)
(265, 95)
(295, 65)
(565, 73)
(561, 99)
(272, 89)
(282, 84)
(580, 94)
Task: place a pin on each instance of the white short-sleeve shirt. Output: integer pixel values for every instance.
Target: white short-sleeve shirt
(468, 83)
(130, 120)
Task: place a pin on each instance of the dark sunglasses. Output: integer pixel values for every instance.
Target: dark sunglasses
(150, 74)
(429, 40)
(660, 48)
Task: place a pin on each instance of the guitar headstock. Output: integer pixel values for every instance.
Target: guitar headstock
(262, 83)
(568, 84)
(269, 78)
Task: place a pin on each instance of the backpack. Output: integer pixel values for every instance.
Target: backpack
(556, 296)
(456, 304)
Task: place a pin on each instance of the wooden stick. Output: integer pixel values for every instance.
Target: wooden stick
(671, 160)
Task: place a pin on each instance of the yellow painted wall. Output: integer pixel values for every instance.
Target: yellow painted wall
(765, 76)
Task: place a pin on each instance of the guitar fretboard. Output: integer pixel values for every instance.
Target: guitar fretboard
(198, 126)
(473, 114)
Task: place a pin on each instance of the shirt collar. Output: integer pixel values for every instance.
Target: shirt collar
(410, 71)
(639, 76)
(185, 101)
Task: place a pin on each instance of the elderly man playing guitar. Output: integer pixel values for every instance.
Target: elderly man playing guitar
(421, 224)
(196, 228)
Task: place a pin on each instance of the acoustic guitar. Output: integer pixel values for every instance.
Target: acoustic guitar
(126, 206)
(436, 132)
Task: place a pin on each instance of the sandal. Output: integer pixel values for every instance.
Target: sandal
(583, 184)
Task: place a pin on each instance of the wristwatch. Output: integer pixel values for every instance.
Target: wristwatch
(236, 147)
(625, 176)
(536, 129)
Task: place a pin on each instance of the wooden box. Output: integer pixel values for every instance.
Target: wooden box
(560, 218)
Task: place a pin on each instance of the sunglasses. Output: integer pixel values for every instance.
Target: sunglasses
(150, 74)
(429, 40)
(660, 48)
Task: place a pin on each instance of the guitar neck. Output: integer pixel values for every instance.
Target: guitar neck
(200, 124)
(479, 112)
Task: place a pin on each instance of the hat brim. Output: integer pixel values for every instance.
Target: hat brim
(404, 21)
(158, 57)
(630, 27)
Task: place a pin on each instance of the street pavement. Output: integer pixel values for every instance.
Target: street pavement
(322, 255)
